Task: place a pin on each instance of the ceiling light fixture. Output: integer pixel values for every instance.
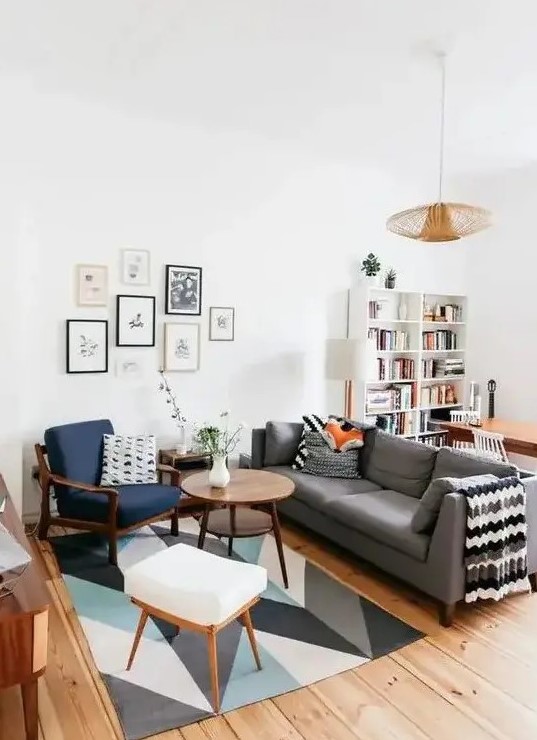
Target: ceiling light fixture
(439, 222)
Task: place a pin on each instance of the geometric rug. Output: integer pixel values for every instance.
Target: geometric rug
(314, 629)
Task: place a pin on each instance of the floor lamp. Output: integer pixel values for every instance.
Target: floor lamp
(341, 359)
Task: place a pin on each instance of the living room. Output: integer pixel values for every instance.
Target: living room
(252, 153)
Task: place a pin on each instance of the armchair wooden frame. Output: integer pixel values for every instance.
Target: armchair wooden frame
(47, 480)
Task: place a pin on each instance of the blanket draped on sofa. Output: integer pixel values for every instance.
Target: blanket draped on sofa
(495, 552)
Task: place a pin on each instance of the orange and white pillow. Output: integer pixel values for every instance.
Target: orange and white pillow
(342, 436)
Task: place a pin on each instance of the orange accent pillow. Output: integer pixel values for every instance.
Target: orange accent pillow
(341, 440)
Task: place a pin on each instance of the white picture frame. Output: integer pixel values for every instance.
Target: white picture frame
(135, 267)
(92, 285)
(135, 321)
(221, 324)
(181, 347)
(86, 346)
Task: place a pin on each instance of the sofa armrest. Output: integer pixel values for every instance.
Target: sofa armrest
(258, 448)
(530, 486)
(446, 551)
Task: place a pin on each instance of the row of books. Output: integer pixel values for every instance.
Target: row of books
(386, 339)
(374, 309)
(445, 367)
(438, 395)
(439, 339)
(450, 312)
(394, 398)
(401, 423)
(400, 368)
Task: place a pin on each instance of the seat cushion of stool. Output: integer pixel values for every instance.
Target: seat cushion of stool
(195, 585)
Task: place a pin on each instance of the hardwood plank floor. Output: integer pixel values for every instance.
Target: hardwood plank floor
(476, 680)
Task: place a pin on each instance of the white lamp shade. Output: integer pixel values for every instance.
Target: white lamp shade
(341, 359)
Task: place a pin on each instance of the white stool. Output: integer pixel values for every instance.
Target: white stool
(194, 589)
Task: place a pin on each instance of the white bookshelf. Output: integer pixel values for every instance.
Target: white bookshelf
(414, 324)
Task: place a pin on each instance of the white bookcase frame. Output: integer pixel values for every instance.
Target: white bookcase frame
(414, 324)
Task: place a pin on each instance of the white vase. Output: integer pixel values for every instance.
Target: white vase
(403, 311)
(219, 474)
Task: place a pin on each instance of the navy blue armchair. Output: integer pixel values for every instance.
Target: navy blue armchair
(73, 471)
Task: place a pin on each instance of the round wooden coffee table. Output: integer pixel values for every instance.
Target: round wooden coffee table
(228, 511)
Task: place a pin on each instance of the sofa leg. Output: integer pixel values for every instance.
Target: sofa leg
(446, 612)
(174, 529)
(112, 548)
(533, 581)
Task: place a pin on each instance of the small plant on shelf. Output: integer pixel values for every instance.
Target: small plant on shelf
(389, 279)
(370, 266)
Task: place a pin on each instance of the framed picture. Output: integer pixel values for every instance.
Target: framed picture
(135, 266)
(221, 324)
(92, 285)
(181, 347)
(87, 346)
(135, 321)
(183, 290)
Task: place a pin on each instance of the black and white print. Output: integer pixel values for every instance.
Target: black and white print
(221, 324)
(86, 346)
(183, 290)
(312, 423)
(181, 347)
(135, 321)
(129, 460)
(135, 266)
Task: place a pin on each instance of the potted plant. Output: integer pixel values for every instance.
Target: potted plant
(370, 268)
(389, 280)
(219, 442)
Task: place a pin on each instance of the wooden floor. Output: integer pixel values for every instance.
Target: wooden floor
(475, 680)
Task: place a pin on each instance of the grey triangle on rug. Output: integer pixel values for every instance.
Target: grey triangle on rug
(315, 629)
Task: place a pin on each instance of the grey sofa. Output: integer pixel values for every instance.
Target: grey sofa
(370, 516)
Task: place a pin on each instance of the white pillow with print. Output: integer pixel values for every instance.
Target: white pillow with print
(129, 460)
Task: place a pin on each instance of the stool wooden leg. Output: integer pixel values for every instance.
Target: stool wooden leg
(138, 635)
(247, 621)
(213, 667)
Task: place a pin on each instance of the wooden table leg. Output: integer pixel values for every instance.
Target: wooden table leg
(232, 518)
(203, 526)
(278, 538)
(29, 704)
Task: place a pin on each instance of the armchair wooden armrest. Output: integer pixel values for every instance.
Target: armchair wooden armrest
(175, 474)
(61, 481)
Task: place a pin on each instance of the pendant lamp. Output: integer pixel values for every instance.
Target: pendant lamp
(440, 221)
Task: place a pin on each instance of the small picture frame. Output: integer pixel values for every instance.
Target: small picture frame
(92, 285)
(135, 266)
(183, 290)
(86, 346)
(181, 347)
(221, 324)
(135, 321)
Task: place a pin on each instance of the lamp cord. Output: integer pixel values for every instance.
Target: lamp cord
(442, 59)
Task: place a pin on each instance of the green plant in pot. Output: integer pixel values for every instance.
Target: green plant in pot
(370, 267)
(389, 280)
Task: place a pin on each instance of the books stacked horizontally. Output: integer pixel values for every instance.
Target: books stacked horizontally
(445, 367)
(439, 339)
(400, 423)
(389, 340)
(438, 395)
(400, 368)
(394, 398)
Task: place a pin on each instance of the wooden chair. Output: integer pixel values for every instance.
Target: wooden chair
(490, 444)
(70, 466)
(464, 416)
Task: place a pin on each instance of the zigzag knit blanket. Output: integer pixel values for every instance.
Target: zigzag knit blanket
(495, 553)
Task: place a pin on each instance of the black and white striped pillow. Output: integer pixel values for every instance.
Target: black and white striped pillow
(129, 460)
(312, 423)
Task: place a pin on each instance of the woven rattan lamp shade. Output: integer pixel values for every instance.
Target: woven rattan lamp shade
(439, 222)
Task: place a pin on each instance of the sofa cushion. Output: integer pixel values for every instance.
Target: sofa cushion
(427, 512)
(322, 460)
(384, 516)
(317, 492)
(281, 442)
(453, 463)
(312, 423)
(400, 464)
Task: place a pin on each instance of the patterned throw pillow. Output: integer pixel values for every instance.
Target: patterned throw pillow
(312, 423)
(128, 460)
(321, 460)
(342, 436)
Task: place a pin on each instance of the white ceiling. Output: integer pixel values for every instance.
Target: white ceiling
(297, 69)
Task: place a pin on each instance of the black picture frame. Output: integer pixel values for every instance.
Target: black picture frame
(213, 332)
(136, 303)
(196, 273)
(69, 359)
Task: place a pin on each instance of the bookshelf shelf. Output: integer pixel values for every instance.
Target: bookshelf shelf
(384, 317)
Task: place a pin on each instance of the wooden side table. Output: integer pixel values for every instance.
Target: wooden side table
(187, 464)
